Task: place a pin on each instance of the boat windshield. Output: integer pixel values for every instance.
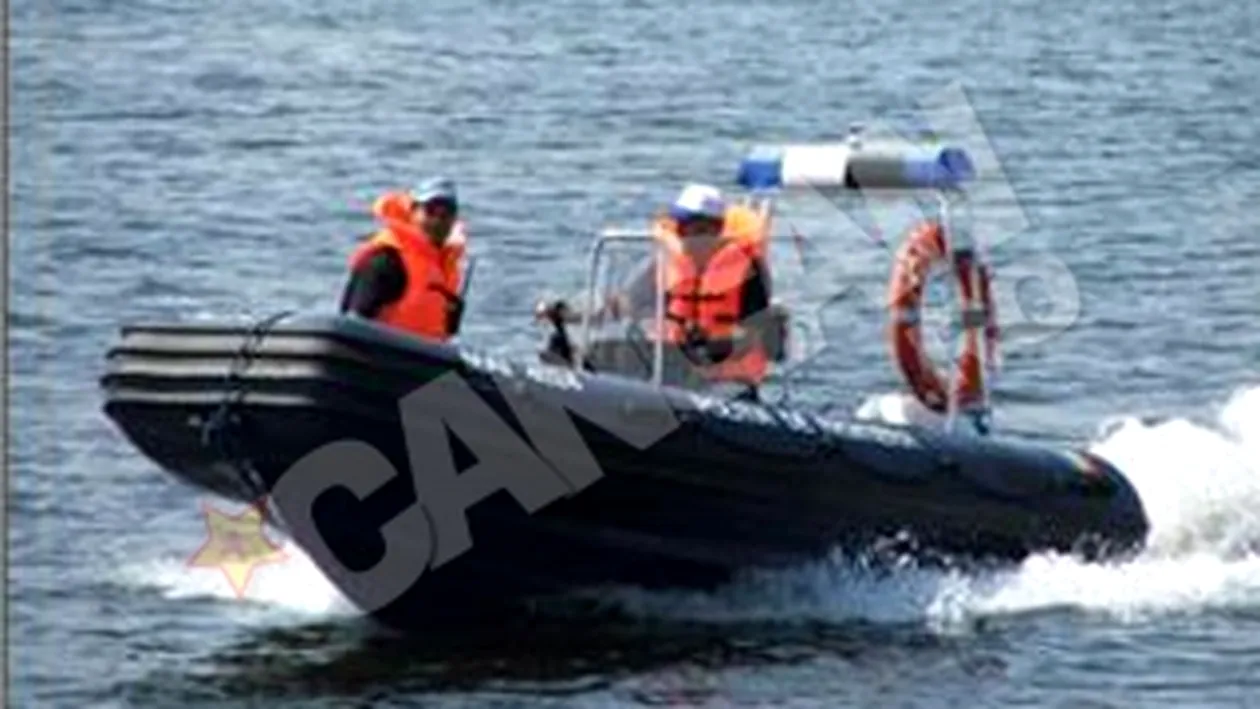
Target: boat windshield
(619, 334)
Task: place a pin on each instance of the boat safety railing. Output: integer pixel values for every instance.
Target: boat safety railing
(862, 163)
(761, 202)
(625, 236)
(960, 242)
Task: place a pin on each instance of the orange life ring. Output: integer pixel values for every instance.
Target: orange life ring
(923, 247)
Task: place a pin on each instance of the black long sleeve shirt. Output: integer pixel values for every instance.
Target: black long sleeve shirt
(378, 282)
(381, 280)
(755, 294)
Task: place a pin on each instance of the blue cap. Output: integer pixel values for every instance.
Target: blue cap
(433, 189)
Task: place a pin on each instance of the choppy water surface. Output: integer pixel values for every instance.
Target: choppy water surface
(199, 160)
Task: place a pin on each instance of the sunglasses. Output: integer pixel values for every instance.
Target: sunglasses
(440, 207)
(698, 225)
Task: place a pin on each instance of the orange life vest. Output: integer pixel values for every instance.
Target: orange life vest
(433, 274)
(708, 297)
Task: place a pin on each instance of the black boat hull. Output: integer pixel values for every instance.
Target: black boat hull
(621, 483)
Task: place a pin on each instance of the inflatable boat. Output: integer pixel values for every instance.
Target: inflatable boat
(430, 480)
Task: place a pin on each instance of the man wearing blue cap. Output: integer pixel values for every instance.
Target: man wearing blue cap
(409, 273)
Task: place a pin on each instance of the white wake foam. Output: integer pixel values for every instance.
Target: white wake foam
(291, 588)
(1201, 487)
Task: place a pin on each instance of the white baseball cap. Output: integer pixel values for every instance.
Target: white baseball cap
(698, 200)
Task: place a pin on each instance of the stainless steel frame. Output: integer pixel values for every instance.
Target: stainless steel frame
(955, 242)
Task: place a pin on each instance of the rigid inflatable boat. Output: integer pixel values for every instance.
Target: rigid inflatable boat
(429, 480)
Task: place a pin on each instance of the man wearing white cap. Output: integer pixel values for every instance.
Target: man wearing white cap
(409, 273)
(717, 284)
(701, 208)
(718, 313)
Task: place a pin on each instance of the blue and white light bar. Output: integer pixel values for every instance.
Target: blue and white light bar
(866, 165)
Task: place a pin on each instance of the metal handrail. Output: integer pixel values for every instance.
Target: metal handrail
(625, 236)
(612, 235)
(954, 247)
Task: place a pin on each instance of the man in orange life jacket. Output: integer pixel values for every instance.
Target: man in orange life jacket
(407, 275)
(717, 285)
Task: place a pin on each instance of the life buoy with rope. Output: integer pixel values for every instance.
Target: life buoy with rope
(924, 247)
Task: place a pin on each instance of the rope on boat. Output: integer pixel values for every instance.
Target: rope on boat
(222, 430)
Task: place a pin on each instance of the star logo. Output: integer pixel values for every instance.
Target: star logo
(236, 545)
